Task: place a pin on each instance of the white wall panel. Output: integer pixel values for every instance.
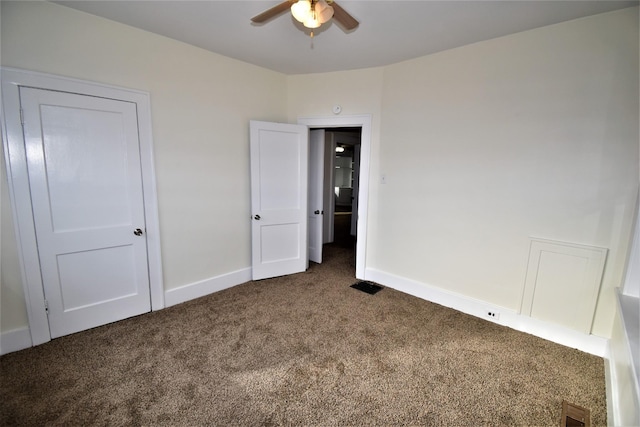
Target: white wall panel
(563, 283)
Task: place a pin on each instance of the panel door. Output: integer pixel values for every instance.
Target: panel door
(83, 158)
(279, 176)
(316, 187)
(356, 190)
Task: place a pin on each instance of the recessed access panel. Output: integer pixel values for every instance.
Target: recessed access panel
(562, 283)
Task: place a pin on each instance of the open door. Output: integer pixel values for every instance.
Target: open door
(279, 178)
(316, 184)
(356, 190)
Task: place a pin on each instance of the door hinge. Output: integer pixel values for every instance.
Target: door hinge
(21, 116)
(46, 306)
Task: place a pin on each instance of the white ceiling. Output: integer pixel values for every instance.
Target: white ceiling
(389, 31)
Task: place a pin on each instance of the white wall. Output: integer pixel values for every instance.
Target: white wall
(624, 345)
(357, 92)
(13, 313)
(632, 278)
(533, 134)
(201, 104)
(529, 135)
(623, 388)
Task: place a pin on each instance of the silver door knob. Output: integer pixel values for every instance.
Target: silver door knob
(137, 232)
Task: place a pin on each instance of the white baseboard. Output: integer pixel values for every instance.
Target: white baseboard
(206, 287)
(15, 340)
(615, 400)
(610, 382)
(623, 381)
(19, 339)
(588, 343)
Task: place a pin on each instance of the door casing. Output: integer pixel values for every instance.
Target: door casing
(20, 196)
(364, 122)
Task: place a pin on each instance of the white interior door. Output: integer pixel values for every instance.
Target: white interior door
(279, 179)
(356, 190)
(329, 201)
(316, 187)
(83, 158)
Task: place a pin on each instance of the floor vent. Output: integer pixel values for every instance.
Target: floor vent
(574, 415)
(367, 287)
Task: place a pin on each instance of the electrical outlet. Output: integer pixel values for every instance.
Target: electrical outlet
(492, 314)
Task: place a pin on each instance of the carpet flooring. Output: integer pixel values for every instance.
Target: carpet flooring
(305, 349)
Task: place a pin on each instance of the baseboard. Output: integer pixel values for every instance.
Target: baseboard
(623, 388)
(611, 381)
(206, 287)
(588, 343)
(15, 340)
(19, 339)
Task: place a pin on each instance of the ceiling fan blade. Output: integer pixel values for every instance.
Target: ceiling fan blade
(274, 11)
(343, 18)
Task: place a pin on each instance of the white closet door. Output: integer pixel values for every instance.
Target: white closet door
(83, 157)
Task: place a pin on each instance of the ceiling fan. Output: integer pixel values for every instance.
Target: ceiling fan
(311, 13)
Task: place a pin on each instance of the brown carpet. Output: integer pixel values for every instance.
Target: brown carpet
(300, 350)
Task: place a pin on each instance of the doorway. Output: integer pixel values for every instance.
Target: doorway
(343, 145)
(351, 124)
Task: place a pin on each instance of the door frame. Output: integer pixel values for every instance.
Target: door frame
(20, 194)
(364, 122)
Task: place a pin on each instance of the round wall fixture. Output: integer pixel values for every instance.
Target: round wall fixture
(337, 109)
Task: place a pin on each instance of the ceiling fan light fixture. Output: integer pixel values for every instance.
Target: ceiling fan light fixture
(301, 10)
(312, 22)
(312, 13)
(324, 12)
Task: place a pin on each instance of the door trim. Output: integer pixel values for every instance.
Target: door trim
(364, 122)
(20, 196)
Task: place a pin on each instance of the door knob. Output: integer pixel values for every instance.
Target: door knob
(137, 232)
(317, 212)
(257, 217)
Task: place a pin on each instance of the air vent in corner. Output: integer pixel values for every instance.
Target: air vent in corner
(368, 287)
